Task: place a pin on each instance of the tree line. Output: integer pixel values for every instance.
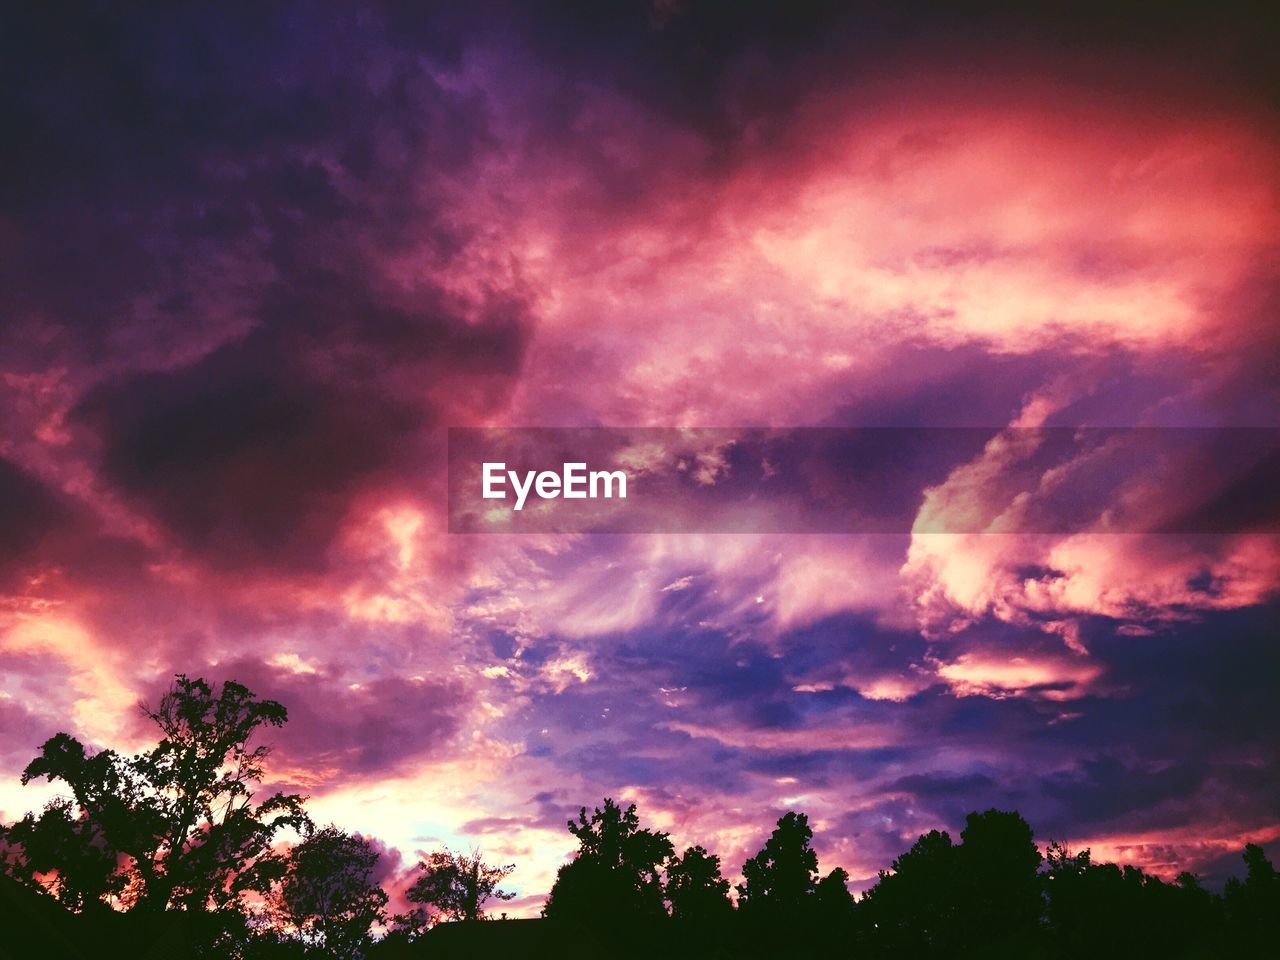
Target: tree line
(174, 842)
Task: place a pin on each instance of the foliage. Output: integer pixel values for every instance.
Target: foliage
(779, 879)
(66, 847)
(912, 906)
(832, 897)
(171, 827)
(940, 897)
(1254, 904)
(168, 846)
(1102, 908)
(998, 863)
(328, 893)
(456, 886)
(695, 889)
(616, 875)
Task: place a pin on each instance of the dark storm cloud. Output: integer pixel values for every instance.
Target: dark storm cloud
(250, 455)
(187, 178)
(342, 731)
(551, 812)
(29, 513)
(21, 732)
(43, 529)
(1187, 717)
(941, 785)
(1193, 686)
(148, 141)
(1104, 788)
(966, 385)
(855, 645)
(738, 70)
(619, 727)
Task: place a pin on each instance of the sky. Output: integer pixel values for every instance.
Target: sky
(256, 263)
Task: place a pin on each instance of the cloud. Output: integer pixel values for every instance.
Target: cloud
(254, 270)
(341, 729)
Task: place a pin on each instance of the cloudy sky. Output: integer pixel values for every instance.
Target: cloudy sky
(255, 266)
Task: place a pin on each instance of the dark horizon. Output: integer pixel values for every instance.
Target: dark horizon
(177, 848)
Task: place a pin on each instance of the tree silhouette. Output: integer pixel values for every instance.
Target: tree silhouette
(780, 878)
(1254, 904)
(1073, 897)
(174, 826)
(616, 875)
(455, 886)
(913, 907)
(698, 894)
(1102, 909)
(67, 849)
(832, 897)
(999, 889)
(168, 846)
(943, 898)
(327, 892)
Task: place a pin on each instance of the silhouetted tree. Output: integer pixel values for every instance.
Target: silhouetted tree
(1101, 909)
(1253, 906)
(832, 897)
(327, 892)
(913, 908)
(455, 886)
(174, 826)
(171, 837)
(941, 898)
(616, 875)
(999, 887)
(778, 880)
(698, 894)
(1073, 898)
(834, 912)
(68, 848)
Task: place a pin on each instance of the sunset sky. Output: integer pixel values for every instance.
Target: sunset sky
(254, 266)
